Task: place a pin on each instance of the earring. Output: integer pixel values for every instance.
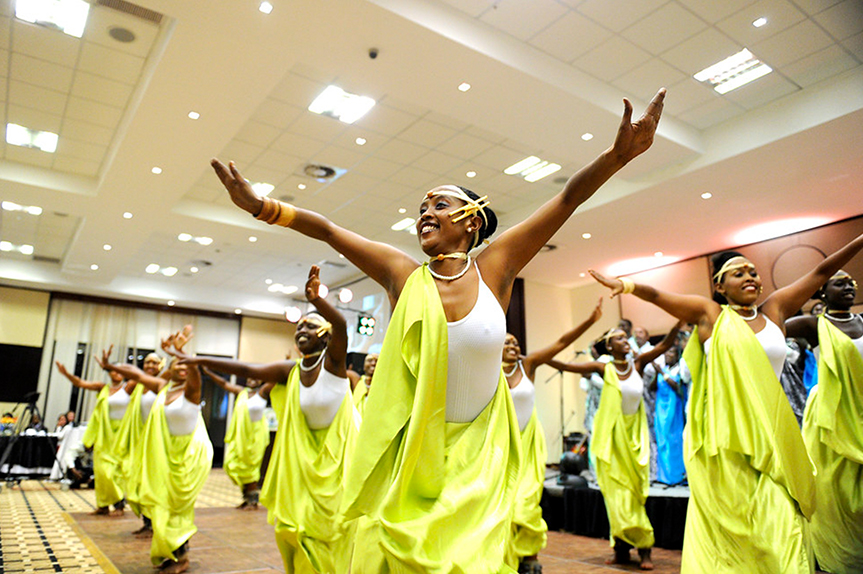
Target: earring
(760, 289)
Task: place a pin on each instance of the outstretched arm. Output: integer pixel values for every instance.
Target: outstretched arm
(337, 348)
(667, 342)
(271, 372)
(783, 303)
(385, 264)
(803, 328)
(580, 368)
(508, 255)
(78, 381)
(131, 372)
(226, 385)
(535, 359)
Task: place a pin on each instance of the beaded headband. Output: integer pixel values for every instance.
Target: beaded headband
(611, 333)
(318, 321)
(738, 262)
(471, 206)
(843, 273)
(157, 358)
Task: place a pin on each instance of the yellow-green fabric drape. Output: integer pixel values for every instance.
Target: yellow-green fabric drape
(621, 444)
(245, 443)
(360, 393)
(303, 487)
(437, 496)
(173, 473)
(129, 448)
(100, 436)
(833, 432)
(752, 484)
(528, 529)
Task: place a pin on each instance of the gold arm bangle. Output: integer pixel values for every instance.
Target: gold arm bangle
(287, 214)
(628, 285)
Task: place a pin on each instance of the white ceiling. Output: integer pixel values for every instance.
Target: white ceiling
(543, 72)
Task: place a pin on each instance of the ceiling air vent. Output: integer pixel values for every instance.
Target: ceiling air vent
(43, 259)
(132, 10)
(322, 173)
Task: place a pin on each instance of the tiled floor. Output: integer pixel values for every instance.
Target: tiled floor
(45, 529)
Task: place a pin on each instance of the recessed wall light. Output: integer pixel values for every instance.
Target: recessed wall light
(285, 289)
(265, 7)
(471, 174)
(361, 141)
(586, 236)
(587, 136)
(127, 215)
(463, 87)
(759, 22)
(194, 115)
(26, 249)
(252, 239)
(238, 311)
(341, 256)
(94, 267)
(35, 139)
(171, 303)
(341, 105)
(157, 170)
(9, 246)
(106, 247)
(706, 195)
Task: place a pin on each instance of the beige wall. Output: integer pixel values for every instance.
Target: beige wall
(23, 314)
(266, 340)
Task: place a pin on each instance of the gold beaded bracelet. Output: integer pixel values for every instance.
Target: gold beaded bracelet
(276, 212)
(628, 285)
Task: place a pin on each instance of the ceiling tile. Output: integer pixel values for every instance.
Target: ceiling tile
(102, 19)
(762, 91)
(711, 113)
(361, 183)
(447, 121)
(37, 98)
(80, 150)
(464, 146)
(842, 20)
(499, 157)
(33, 119)
(257, 134)
(419, 179)
(815, 6)
(618, 14)
(101, 90)
(3, 84)
(698, 52)
(686, 95)
(819, 66)
(28, 156)
(487, 135)
(348, 139)
(387, 120)
(523, 19)
(5, 31)
(471, 7)
(277, 114)
(315, 126)
(648, 78)
(4, 63)
(437, 162)
(427, 134)
(795, 43)
(112, 64)
(40, 73)
(294, 144)
(77, 166)
(241, 153)
(86, 132)
(202, 194)
(90, 111)
(560, 41)
(272, 159)
(612, 59)
(401, 151)
(854, 44)
(45, 43)
(780, 15)
(713, 11)
(411, 108)
(377, 167)
(297, 91)
(339, 157)
(664, 28)
(256, 173)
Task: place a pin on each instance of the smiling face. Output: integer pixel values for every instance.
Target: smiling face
(511, 349)
(839, 292)
(307, 339)
(179, 372)
(618, 345)
(436, 229)
(740, 284)
(116, 378)
(253, 383)
(369, 365)
(152, 362)
(672, 356)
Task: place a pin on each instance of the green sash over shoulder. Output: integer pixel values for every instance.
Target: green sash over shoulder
(129, 448)
(303, 487)
(438, 496)
(528, 530)
(752, 483)
(173, 473)
(833, 432)
(361, 391)
(621, 444)
(100, 436)
(245, 443)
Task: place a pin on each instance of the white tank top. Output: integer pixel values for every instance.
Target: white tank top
(475, 346)
(182, 416)
(117, 404)
(523, 397)
(322, 400)
(256, 404)
(858, 342)
(772, 341)
(631, 390)
(147, 400)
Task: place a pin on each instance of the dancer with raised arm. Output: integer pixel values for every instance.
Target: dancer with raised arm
(303, 487)
(528, 529)
(364, 384)
(833, 427)
(439, 459)
(101, 436)
(752, 484)
(179, 456)
(621, 442)
(247, 436)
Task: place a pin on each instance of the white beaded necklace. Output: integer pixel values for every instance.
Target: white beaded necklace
(451, 277)
(512, 372)
(624, 373)
(314, 366)
(752, 308)
(840, 319)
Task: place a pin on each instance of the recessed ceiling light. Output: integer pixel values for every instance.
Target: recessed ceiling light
(238, 311)
(471, 174)
(402, 210)
(268, 281)
(152, 268)
(301, 186)
(706, 195)
(193, 269)
(341, 256)
(733, 72)
(169, 271)
(9, 246)
(587, 136)
(106, 247)
(204, 240)
(759, 22)
(658, 254)
(337, 103)
(184, 237)
(171, 303)
(581, 274)
(29, 209)
(361, 141)
(265, 7)
(586, 236)
(463, 87)
(70, 16)
(194, 115)
(6, 246)
(26, 249)
(402, 224)
(94, 267)
(35, 139)
(263, 189)
(346, 295)
(323, 290)
(293, 314)
(127, 215)
(157, 170)
(252, 239)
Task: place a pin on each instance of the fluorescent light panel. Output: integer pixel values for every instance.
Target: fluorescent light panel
(263, 189)
(25, 137)
(68, 16)
(339, 104)
(733, 72)
(532, 168)
(31, 209)
(403, 224)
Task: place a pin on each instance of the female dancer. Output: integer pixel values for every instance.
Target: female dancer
(621, 442)
(669, 419)
(303, 487)
(438, 464)
(528, 529)
(364, 384)
(832, 427)
(752, 483)
(129, 443)
(247, 436)
(101, 437)
(179, 456)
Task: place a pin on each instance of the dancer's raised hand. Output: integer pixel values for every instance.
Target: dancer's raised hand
(241, 191)
(616, 285)
(633, 138)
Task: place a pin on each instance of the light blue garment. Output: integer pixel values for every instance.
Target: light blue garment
(668, 424)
